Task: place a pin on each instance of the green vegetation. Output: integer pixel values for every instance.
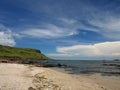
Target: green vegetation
(7, 52)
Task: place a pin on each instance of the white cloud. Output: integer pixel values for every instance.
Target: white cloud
(101, 50)
(51, 31)
(68, 21)
(68, 27)
(6, 36)
(103, 23)
(108, 26)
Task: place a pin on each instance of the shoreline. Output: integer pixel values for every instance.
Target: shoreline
(106, 82)
(29, 77)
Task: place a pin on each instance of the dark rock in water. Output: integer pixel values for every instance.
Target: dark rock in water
(59, 65)
(4, 61)
(30, 62)
(112, 72)
(49, 65)
(111, 64)
(116, 59)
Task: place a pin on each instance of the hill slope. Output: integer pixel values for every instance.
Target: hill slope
(7, 52)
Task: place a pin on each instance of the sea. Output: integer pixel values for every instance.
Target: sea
(103, 67)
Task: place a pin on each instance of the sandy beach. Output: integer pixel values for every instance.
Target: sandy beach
(28, 77)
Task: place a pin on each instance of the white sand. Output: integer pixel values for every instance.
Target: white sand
(15, 77)
(21, 77)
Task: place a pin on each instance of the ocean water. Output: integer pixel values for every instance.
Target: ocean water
(84, 66)
(87, 66)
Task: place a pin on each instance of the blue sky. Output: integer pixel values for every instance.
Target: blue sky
(63, 29)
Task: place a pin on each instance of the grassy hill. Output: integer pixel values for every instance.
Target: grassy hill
(7, 52)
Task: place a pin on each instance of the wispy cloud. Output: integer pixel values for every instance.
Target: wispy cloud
(6, 36)
(68, 21)
(50, 31)
(108, 26)
(101, 50)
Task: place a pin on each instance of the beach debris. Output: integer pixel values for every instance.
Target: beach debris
(31, 88)
(42, 83)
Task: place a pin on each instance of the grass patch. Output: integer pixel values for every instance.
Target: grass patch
(7, 52)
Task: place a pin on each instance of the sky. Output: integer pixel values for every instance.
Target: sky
(63, 29)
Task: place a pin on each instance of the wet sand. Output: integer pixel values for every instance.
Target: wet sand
(106, 82)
